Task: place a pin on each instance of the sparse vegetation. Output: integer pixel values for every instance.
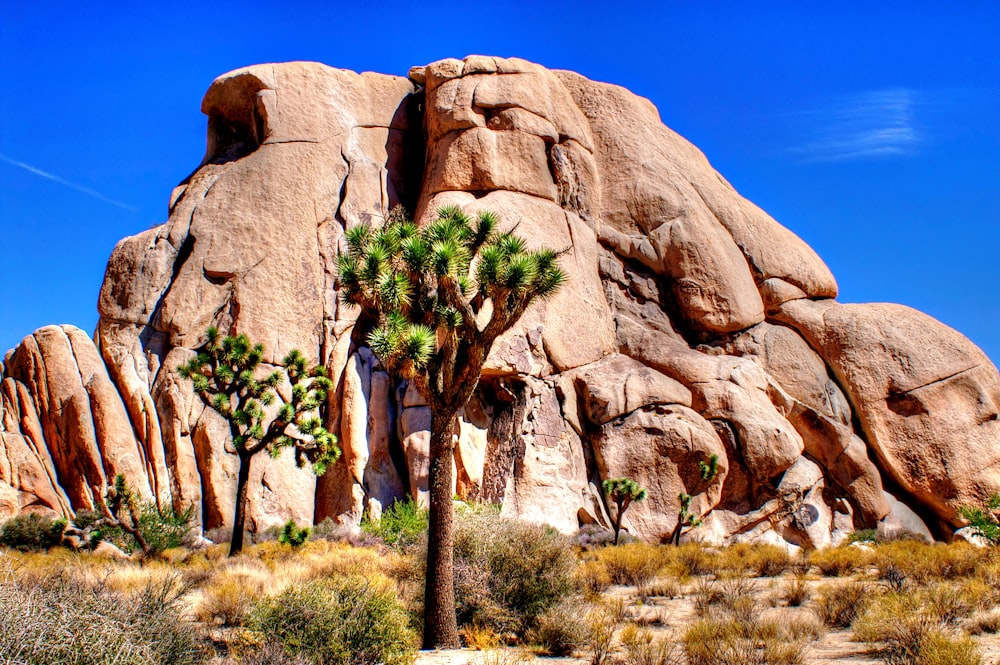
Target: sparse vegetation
(523, 589)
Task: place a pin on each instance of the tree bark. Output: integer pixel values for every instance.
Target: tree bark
(440, 622)
(239, 519)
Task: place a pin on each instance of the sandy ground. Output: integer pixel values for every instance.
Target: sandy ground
(671, 616)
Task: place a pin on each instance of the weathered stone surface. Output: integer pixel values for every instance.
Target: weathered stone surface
(927, 398)
(660, 448)
(691, 324)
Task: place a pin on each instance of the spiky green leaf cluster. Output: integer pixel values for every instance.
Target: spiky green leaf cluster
(624, 489)
(426, 285)
(225, 373)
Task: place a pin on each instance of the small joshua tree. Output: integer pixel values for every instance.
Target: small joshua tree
(984, 523)
(439, 295)
(623, 491)
(685, 518)
(225, 376)
(292, 535)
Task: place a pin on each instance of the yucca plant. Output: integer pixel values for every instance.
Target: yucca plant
(440, 294)
(225, 375)
(685, 518)
(624, 492)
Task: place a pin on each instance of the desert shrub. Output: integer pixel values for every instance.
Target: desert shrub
(507, 572)
(732, 597)
(592, 536)
(641, 647)
(900, 632)
(769, 560)
(342, 621)
(691, 559)
(921, 562)
(635, 564)
(863, 536)
(61, 620)
(232, 590)
(560, 630)
(723, 641)
(402, 525)
(840, 561)
(32, 532)
(602, 622)
(270, 653)
(796, 591)
(331, 532)
(984, 623)
(593, 577)
(838, 605)
(763, 560)
(666, 587)
(946, 602)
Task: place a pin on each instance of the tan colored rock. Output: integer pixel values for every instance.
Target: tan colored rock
(927, 398)
(724, 388)
(902, 522)
(551, 485)
(651, 175)
(660, 448)
(617, 385)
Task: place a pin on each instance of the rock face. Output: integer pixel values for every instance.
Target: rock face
(692, 325)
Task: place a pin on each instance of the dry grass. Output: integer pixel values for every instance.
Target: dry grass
(841, 561)
(911, 629)
(796, 591)
(635, 564)
(838, 605)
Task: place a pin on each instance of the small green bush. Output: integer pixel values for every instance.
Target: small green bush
(339, 621)
(32, 532)
(292, 535)
(403, 524)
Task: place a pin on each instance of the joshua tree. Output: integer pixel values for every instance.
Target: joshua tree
(439, 295)
(623, 491)
(225, 376)
(685, 519)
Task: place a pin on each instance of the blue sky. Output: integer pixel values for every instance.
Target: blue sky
(870, 129)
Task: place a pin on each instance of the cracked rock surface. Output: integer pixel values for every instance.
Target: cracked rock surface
(692, 324)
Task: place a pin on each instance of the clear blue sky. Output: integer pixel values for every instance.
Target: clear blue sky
(870, 129)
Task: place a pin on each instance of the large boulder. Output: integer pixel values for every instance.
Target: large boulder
(691, 324)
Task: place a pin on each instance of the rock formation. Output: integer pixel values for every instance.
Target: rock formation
(692, 324)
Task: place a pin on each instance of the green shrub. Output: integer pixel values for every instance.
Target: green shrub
(32, 532)
(402, 524)
(508, 573)
(162, 529)
(292, 535)
(59, 620)
(347, 620)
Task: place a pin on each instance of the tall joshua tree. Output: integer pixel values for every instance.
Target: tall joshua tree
(440, 294)
(225, 374)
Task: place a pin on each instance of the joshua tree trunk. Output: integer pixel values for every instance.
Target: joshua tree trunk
(618, 520)
(239, 519)
(440, 625)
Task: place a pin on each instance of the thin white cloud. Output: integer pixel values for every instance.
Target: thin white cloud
(66, 183)
(879, 123)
